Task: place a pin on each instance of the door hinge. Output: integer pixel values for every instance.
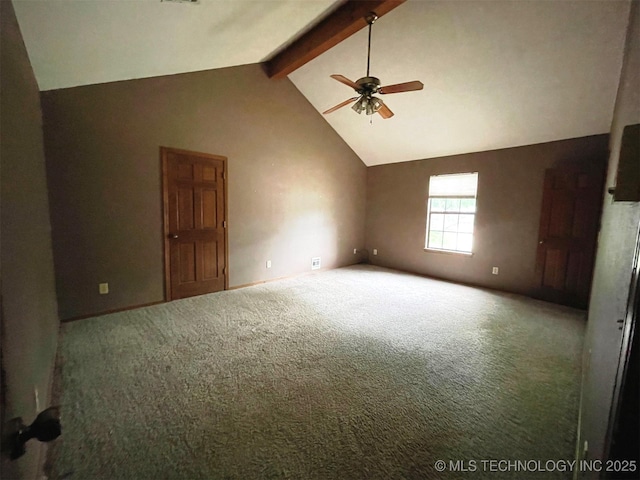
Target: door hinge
(224, 175)
(224, 224)
(224, 271)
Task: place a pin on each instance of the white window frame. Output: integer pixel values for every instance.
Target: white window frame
(459, 211)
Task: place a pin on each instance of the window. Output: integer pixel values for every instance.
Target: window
(451, 212)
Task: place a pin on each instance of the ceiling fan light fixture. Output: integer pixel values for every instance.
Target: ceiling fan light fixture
(360, 105)
(370, 110)
(372, 105)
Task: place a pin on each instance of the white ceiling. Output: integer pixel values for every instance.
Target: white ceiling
(497, 74)
(82, 42)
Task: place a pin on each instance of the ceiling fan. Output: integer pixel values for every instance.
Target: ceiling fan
(367, 87)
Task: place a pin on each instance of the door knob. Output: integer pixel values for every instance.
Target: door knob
(173, 235)
(541, 242)
(16, 434)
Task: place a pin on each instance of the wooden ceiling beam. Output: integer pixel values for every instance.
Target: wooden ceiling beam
(343, 22)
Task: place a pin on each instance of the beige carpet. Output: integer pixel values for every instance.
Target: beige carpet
(354, 373)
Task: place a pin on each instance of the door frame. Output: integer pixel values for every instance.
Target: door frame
(624, 397)
(164, 151)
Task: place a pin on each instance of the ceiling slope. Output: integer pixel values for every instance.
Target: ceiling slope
(80, 42)
(497, 74)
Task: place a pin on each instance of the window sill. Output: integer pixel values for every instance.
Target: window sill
(449, 252)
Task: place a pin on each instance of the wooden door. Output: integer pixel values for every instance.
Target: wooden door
(195, 244)
(571, 207)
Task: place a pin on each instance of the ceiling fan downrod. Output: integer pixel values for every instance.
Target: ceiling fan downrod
(370, 18)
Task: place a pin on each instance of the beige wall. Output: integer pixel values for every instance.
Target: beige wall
(614, 263)
(508, 211)
(29, 319)
(296, 190)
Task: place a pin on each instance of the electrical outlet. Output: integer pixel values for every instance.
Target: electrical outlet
(103, 288)
(355, 251)
(375, 251)
(315, 263)
(494, 270)
(268, 263)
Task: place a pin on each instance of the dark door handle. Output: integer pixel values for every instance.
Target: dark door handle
(173, 235)
(45, 427)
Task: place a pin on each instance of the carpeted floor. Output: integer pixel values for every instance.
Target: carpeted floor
(354, 373)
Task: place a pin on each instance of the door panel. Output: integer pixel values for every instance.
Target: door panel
(209, 209)
(210, 263)
(560, 221)
(185, 210)
(568, 232)
(195, 226)
(187, 262)
(554, 268)
(208, 174)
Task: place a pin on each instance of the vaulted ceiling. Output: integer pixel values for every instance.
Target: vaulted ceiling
(497, 74)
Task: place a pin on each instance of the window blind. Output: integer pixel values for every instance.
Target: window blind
(456, 185)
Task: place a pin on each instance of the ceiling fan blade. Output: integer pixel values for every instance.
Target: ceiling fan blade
(340, 105)
(346, 81)
(385, 112)
(402, 87)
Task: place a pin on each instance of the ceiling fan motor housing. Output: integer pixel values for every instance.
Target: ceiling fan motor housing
(368, 85)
